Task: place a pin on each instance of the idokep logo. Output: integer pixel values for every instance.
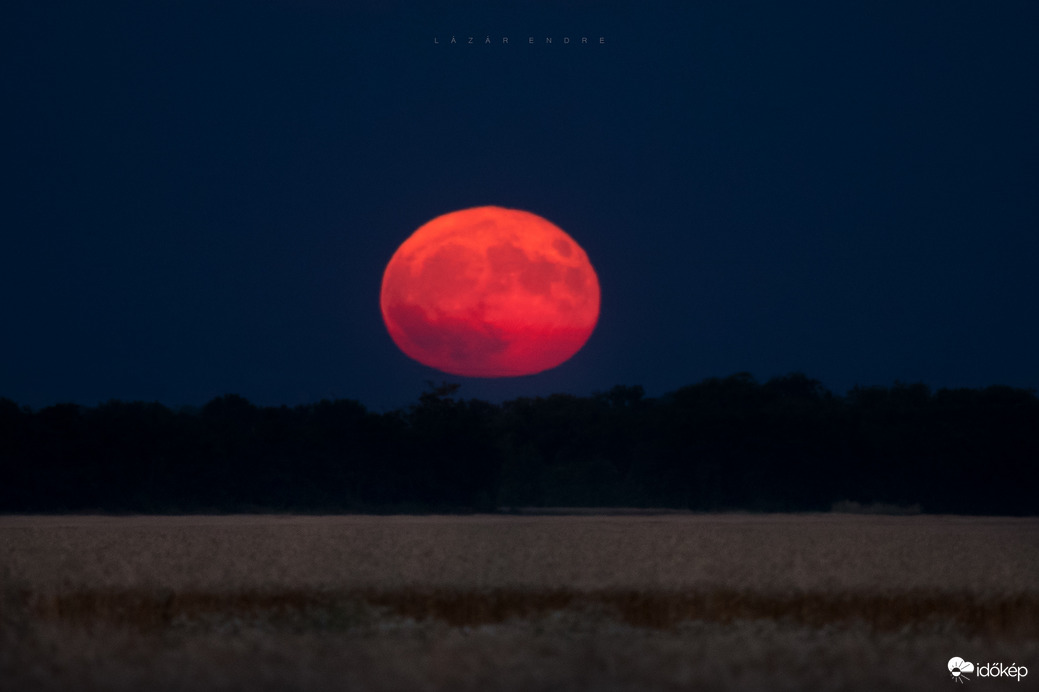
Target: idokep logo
(959, 668)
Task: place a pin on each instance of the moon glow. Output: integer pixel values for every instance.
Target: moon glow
(490, 292)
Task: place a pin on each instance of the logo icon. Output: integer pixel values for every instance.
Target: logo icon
(958, 667)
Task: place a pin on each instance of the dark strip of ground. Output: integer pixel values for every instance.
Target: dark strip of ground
(1008, 616)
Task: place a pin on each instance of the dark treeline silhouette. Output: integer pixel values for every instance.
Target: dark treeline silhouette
(730, 443)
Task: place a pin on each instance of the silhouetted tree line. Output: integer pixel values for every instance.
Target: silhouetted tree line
(723, 444)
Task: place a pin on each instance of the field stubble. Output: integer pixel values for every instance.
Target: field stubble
(494, 602)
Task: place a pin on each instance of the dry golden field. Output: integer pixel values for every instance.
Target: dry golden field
(672, 602)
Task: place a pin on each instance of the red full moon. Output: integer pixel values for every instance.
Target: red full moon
(490, 292)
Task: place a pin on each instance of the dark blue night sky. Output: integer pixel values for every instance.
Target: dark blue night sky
(200, 198)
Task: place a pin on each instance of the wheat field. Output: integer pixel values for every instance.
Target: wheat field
(671, 602)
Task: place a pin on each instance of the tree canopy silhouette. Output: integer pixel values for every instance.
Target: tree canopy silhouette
(727, 443)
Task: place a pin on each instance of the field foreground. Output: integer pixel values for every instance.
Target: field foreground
(711, 602)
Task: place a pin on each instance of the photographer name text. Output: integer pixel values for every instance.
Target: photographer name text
(529, 40)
